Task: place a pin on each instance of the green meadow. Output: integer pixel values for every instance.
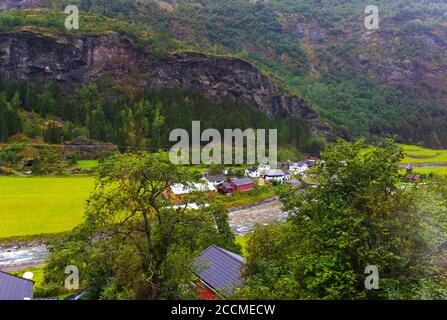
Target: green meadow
(48, 205)
(416, 154)
(32, 206)
(87, 164)
(419, 155)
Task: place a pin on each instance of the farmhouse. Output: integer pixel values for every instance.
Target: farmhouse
(218, 272)
(236, 185)
(252, 172)
(257, 172)
(226, 188)
(178, 191)
(413, 177)
(276, 175)
(299, 167)
(242, 184)
(216, 180)
(15, 288)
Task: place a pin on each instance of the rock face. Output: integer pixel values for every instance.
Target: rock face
(74, 59)
(88, 149)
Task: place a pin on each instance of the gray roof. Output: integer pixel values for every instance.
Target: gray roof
(216, 178)
(275, 173)
(242, 182)
(15, 288)
(219, 269)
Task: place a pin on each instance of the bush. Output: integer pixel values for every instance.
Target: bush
(50, 290)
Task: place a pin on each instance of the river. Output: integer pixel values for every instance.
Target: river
(15, 258)
(242, 222)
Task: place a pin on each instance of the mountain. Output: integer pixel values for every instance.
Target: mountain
(365, 83)
(82, 59)
(372, 84)
(116, 82)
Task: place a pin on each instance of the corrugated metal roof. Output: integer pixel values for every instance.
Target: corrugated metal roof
(227, 186)
(219, 269)
(242, 182)
(15, 288)
(275, 173)
(216, 178)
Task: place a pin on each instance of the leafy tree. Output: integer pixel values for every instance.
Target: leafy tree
(356, 217)
(133, 243)
(53, 133)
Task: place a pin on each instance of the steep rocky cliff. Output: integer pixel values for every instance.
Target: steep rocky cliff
(73, 59)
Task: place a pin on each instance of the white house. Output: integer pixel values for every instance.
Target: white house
(257, 172)
(276, 175)
(263, 169)
(181, 189)
(299, 167)
(216, 180)
(252, 173)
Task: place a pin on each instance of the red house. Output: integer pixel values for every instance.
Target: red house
(242, 184)
(226, 188)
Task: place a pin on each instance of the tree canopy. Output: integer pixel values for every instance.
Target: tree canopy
(356, 217)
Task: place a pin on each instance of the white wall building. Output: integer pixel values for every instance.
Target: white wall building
(276, 175)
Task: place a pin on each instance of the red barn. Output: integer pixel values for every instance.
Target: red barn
(240, 185)
(226, 188)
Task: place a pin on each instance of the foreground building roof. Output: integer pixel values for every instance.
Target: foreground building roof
(15, 288)
(219, 269)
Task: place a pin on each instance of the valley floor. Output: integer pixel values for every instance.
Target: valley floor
(42, 205)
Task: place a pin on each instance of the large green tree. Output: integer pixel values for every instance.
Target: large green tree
(134, 243)
(356, 217)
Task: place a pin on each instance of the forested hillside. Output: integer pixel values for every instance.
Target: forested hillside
(371, 83)
(117, 82)
(377, 83)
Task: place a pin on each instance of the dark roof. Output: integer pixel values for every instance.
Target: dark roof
(219, 269)
(294, 182)
(252, 169)
(216, 178)
(414, 177)
(15, 288)
(242, 182)
(227, 186)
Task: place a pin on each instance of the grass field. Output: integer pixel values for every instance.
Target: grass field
(31, 206)
(421, 155)
(418, 155)
(87, 164)
(242, 241)
(258, 194)
(38, 272)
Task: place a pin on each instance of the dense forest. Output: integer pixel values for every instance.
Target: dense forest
(144, 120)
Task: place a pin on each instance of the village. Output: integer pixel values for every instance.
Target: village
(249, 194)
(227, 183)
(222, 274)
